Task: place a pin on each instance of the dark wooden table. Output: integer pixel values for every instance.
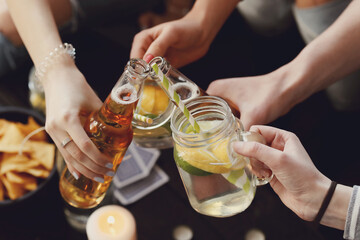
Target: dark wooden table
(235, 52)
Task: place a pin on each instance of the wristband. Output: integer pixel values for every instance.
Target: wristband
(325, 203)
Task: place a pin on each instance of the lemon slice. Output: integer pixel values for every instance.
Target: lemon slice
(147, 100)
(216, 158)
(187, 167)
(161, 101)
(204, 160)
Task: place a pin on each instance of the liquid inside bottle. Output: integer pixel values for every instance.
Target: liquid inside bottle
(111, 131)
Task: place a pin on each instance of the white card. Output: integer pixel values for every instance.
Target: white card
(139, 189)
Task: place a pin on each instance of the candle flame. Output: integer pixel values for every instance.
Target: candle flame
(111, 220)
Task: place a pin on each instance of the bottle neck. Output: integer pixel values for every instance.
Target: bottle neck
(119, 106)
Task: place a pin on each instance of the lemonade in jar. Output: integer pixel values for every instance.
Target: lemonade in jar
(218, 182)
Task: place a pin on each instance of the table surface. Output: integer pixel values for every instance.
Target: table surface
(157, 214)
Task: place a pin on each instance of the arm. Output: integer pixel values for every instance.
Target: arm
(187, 39)
(36, 25)
(334, 54)
(299, 184)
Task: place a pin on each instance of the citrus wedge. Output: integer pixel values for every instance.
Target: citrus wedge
(147, 100)
(161, 101)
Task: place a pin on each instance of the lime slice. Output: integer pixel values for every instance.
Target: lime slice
(187, 167)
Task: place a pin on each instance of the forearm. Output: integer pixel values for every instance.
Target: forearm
(212, 14)
(335, 215)
(328, 58)
(36, 26)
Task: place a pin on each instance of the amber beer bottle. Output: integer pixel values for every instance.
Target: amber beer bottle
(110, 129)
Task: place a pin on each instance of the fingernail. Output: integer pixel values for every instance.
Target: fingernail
(110, 173)
(75, 175)
(99, 179)
(148, 57)
(109, 165)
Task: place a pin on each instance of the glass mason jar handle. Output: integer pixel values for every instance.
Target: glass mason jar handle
(248, 136)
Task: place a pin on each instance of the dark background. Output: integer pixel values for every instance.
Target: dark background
(330, 137)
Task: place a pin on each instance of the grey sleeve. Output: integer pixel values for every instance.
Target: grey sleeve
(352, 224)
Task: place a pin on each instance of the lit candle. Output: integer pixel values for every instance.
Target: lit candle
(111, 222)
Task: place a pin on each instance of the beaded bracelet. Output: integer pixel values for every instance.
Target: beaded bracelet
(53, 57)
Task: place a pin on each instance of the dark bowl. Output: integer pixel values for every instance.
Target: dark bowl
(18, 114)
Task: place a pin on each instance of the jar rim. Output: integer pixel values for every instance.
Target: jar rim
(178, 120)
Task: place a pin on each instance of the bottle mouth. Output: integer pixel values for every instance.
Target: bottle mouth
(204, 108)
(162, 63)
(138, 68)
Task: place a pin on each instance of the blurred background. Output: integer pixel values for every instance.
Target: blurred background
(102, 49)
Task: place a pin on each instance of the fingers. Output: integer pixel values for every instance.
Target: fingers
(81, 154)
(152, 42)
(141, 43)
(274, 137)
(159, 46)
(267, 155)
(87, 147)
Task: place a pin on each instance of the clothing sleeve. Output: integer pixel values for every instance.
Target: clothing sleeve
(352, 224)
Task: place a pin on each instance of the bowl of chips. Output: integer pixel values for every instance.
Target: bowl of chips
(27, 155)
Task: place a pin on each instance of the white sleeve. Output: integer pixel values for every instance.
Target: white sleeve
(352, 224)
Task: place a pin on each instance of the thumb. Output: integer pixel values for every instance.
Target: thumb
(265, 154)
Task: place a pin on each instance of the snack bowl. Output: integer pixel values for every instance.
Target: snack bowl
(39, 190)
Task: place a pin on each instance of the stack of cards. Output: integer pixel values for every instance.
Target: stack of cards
(138, 175)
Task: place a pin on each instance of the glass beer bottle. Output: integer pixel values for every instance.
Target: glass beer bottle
(111, 131)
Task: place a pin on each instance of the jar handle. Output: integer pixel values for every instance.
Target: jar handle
(248, 136)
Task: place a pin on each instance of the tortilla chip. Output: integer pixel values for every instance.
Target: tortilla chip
(18, 163)
(29, 182)
(3, 126)
(20, 173)
(43, 153)
(37, 172)
(12, 136)
(20, 178)
(32, 125)
(14, 148)
(14, 190)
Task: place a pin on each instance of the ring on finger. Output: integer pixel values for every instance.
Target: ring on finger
(65, 142)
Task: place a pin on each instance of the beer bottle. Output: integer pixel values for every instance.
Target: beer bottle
(111, 131)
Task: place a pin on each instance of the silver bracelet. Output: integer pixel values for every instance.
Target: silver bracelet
(53, 57)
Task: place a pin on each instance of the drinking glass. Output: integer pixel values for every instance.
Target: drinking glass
(218, 182)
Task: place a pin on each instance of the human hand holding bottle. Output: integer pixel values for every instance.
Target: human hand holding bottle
(184, 40)
(299, 184)
(68, 102)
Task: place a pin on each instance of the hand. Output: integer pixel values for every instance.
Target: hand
(260, 99)
(68, 100)
(299, 184)
(180, 42)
